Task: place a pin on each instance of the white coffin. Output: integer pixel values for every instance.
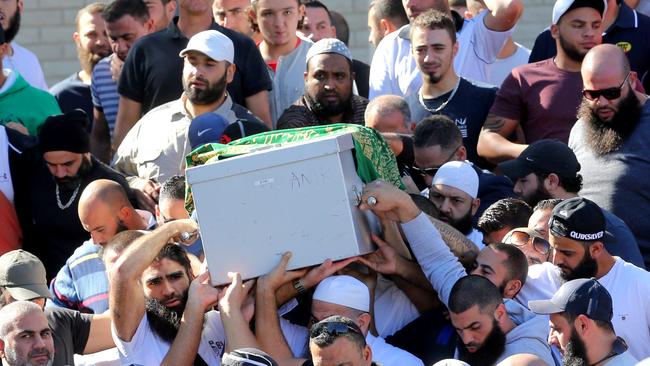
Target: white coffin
(301, 198)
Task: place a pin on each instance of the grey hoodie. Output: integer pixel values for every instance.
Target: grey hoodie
(443, 269)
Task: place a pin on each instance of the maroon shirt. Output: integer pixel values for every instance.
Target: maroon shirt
(544, 98)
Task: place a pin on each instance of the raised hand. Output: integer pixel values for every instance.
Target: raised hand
(387, 201)
(233, 297)
(384, 260)
(201, 294)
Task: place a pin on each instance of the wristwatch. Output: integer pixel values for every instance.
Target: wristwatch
(299, 286)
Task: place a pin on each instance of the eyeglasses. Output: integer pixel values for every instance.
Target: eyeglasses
(522, 238)
(432, 171)
(609, 93)
(333, 329)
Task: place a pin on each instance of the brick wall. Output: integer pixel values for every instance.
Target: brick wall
(47, 27)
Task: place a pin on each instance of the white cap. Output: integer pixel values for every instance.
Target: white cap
(460, 175)
(345, 291)
(329, 45)
(213, 44)
(562, 6)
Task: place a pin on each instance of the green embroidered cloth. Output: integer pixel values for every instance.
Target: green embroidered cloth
(374, 158)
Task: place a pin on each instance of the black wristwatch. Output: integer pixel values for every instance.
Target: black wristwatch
(299, 286)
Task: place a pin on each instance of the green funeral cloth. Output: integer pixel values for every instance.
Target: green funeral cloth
(374, 158)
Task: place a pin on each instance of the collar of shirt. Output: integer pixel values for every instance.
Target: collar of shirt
(225, 110)
(627, 17)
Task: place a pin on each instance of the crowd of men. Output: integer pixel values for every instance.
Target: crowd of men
(518, 236)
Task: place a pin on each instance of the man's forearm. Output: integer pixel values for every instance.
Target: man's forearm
(237, 331)
(496, 148)
(139, 255)
(267, 325)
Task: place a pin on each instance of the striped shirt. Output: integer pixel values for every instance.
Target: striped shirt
(104, 91)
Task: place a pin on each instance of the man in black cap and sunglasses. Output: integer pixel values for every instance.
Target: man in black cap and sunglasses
(577, 228)
(549, 169)
(610, 140)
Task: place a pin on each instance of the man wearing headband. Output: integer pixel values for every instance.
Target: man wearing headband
(328, 96)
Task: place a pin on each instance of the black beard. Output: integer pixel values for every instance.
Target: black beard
(587, 268)
(464, 224)
(605, 137)
(70, 183)
(539, 195)
(576, 352)
(208, 96)
(490, 350)
(13, 28)
(165, 321)
(571, 52)
(327, 109)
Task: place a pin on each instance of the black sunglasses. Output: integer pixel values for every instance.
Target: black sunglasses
(432, 171)
(609, 93)
(334, 329)
(522, 238)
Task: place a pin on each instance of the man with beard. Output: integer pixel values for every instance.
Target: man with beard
(393, 69)
(438, 140)
(19, 58)
(149, 287)
(62, 170)
(581, 324)
(22, 106)
(126, 22)
(328, 96)
(25, 336)
(538, 101)
(155, 148)
(501, 217)
(609, 141)
(434, 46)
(490, 328)
(104, 211)
(92, 45)
(577, 228)
(549, 169)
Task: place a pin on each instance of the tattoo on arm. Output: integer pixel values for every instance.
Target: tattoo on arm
(494, 123)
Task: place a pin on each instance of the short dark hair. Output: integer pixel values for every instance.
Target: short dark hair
(119, 8)
(474, 290)
(176, 253)
(341, 25)
(433, 20)
(173, 189)
(506, 212)
(437, 130)
(516, 262)
(569, 184)
(389, 9)
(548, 204)
(322, 338)
(120, 242)
(315, 4)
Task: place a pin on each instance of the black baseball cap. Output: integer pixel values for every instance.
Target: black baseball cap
(578, 219)
(543, 157)
(578, 297)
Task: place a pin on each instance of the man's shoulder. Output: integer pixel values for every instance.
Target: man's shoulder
(59, 317)
(478, 87)
(71, 81)
(239, 40)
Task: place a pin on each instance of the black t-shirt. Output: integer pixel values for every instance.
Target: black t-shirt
(152, 72)
(468, 108)
(71, 330)
(361, 77)
(71, 93)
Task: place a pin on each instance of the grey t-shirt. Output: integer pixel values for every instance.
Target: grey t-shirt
(71, 330)
(619, 181)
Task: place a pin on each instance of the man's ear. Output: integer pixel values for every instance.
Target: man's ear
(364, 322)
(512, 288)
(596, 249)
(500, 313)
(581, 324)
(367, 353)
(552, 182)
(475, 204)
(230, 72)
(555, 31)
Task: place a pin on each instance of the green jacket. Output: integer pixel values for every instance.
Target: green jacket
(24, 104)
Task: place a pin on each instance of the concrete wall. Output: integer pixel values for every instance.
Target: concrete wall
(47, 28)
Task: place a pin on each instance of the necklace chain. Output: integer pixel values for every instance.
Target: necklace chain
(58, 199)
(443, 105)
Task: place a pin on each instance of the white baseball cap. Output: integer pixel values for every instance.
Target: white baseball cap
(344, 290)
(213, 44)
(459, 175)
(561, 7)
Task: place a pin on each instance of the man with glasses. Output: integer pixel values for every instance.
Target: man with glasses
(538, 101)
(337, 340)
(438, 140)
(610, 141)
(536, 248)
(434, 46)
(549, 169)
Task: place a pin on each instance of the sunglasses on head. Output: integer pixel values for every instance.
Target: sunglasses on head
(333, 329)
(609, 93)
(522, 238)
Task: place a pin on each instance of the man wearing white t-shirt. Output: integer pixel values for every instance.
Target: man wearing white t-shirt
(393, 69)
(19, 58)
(576, 229)
(149, 294)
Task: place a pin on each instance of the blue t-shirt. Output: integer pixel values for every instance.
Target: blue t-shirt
(468, 108)
(71, 93)
(104, 92)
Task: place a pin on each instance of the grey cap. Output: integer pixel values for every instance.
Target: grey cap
(329, 45)
(23, 275)
(578, 297)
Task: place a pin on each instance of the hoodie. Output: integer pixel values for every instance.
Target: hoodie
(24, 104)
(529, 336)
